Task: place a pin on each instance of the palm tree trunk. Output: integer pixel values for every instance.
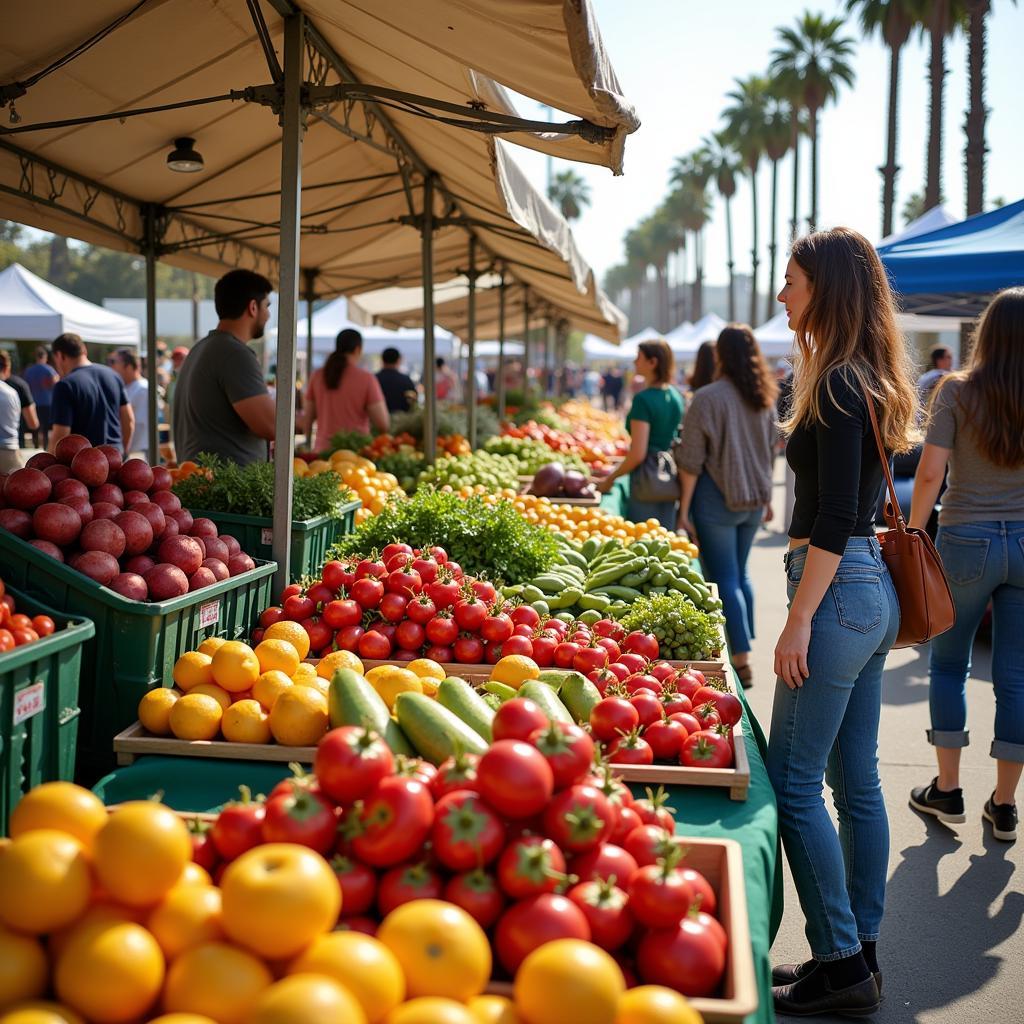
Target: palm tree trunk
(812, 221)
(891, 168)
(794, 142)
(936, 77)
(662, 297)
(974, 154)
(754, 249)
(769, 299)
(729, 261)
(697, 303)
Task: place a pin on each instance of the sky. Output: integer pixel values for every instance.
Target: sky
(676, 61)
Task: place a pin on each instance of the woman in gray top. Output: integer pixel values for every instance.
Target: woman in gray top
(977, 427)
(725, 473)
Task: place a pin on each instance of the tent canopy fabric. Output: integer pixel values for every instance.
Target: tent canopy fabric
(32, 309)
(686, 342)
(955, 269)
(597, 350)
(775, 337)
(362, 167)
(935, 218)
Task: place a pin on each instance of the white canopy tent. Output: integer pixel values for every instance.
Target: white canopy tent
(775, 336)
(32, 309)
(597, 350)
(686, 342)
(935, 218)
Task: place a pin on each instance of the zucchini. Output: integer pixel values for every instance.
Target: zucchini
(546, 698)
(590, 615)
(553, 677)
(461, 699)
(353, 701)
(500, 690)
(580, 696)
(433, 730)
(566, 598)
(492, 700)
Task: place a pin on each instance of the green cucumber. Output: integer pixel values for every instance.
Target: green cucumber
(595, 602)
(532, 593)
(541, 607)
(492, 700)
(461, 699)
(433, 730)
(580, 696)
(353, 701)
(575, 558)
(590, 615)
(500, 690)
(553, 677)
(566, 599)
(546, 698)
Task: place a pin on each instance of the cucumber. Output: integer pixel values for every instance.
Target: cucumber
(433, 730)
(499, 690)
(542, 695)
(492, 700)
(461, 699)
(590, 615)
(553, 677)
(580, 696)
(353, 701)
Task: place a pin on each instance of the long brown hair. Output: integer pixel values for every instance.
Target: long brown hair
(660, 352)
(851, 317)
(740, 359)
(992, 395)
(347, 342)
(703, 366)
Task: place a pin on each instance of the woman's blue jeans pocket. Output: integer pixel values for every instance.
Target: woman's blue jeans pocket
(858, 601)
(963, 558)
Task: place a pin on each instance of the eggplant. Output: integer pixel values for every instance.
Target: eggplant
(573, 484)
(547, 481)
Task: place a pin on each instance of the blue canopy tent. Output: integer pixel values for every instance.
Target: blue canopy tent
(955, 270)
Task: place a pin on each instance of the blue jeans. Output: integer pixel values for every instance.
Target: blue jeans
(664, 511)
(725, 538)
(828, 728)
(983, 561)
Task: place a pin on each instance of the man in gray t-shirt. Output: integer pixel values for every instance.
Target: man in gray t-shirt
(221, 404)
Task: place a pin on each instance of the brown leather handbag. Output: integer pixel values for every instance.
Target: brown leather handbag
(926, 604)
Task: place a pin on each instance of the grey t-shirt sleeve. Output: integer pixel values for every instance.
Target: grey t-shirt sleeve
(692, 450)
(942, 422)
(243, 379)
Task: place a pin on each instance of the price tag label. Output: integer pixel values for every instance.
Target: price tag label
(29, 702)
(266, 535)
(209, 614)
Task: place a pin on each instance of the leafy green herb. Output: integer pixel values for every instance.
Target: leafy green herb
(347, 440)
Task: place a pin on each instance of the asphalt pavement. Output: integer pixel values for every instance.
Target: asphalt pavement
(952, 944)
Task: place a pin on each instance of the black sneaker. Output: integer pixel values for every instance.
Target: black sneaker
(1003, 818)
(788, 974)
(944, 806)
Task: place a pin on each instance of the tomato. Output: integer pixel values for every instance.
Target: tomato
(665, 739)
(358, 884)
(727, 704)
(652, 810)
(478, 894)
(643, 683)
(579, 818)
(705, 750)
(20, 621)
(470, 614)
(648, 707)
(457, 772)
(341, 613)
(529, 866)
(630, 749)
(395, 563)
(707, 714)
(532, 922)
(689, 682)
(6, 640)
(659, 894)
(687, 721)
(319, 633)
(524, 615)
(466, 832)
(444, 592)
(405, 582)
(421, 610)
(442, 655)
(374, 646)
(298, 607)
(347, 639)
(336, 575)
(627, 821)
(370, 568)
(687, 958)
(521, 645)
(609, 628)
(632, 663)
(613, 717)
(361, 923)
(395, 821)
(606, 908)
(544, 650)
(301, 817)
(271, 615)
(605, 862)
(703, 893)
(442, 630)
(426, 568)
(393, 549)
(469, 650)
(409, 636)
(238, 827)
(367, 592)
(393, 606)
(568, 750)
(43, 625)
(523, 630)
(644, 644)
(647, 843)
(565, 653)
(590, 659)
(675, 703)
(515, 779)
(497, 627)
(405, 883)
(291, 589)
(438, 554)
(24, 636)
(350, 761)
(320, 594)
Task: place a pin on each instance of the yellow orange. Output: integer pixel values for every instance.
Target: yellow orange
(270, 686)
(62, 806)
(277, 654)
(217, 980)
(211, 645)
(317, 683)
(290, 631)
(307, 999)
(220, 695)
(235, 667)
(391, 680)
(330, 663)
(189, 915)
(246, 722)
(194, 874)
(192, 668)
(155, 710)
(304, 674)
(514, 669)
(299, 717)
(196, 717)
(40, 1011)
(45, 882)
(426, 668)
(23, 967)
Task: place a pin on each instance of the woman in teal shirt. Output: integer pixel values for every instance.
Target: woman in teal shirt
(653, 422)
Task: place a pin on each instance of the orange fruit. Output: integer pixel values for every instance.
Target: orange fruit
(426, 668)
(110, 973)
(45, 882)
(155, 710)
(299, 717)
(235, 666)
(246, 722)
(514, 669)
(655, 1004)
(62, 806)
(195, 874)
(182, 1018)
(97, 914)
(191, 669)
(391, 680)
(196, 717)
(431, 1010)
(304, 674)
(221, 696)
(307, 999)
(189, 915)
(317, 683)
(216, 980)
(211, 645)
(140, 853)
(40, 1011)
(23, 967)
(488, 1009)
(290, 631)
(569, 979)
(270, 686)
(277, 654)
(330, 663)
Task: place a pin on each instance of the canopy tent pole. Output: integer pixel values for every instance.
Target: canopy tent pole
(500, 379)
(547, 357)
(288, 292)
(310, 279)
(526, 344)
(471, 344)
(429, 388)
(152, 441)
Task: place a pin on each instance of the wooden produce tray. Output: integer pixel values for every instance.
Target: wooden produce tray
(582, 502)
(721, 862)
(134, 742)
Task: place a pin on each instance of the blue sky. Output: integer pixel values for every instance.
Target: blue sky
(677, 59)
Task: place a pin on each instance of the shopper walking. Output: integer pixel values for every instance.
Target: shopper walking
(41, 377)
(342, 395)
(725, 474)
(843, 615)
(29, 419)
(10, 429)
(89, 399)
(653, 422)
(220, 403)
(398, 387)
(976, 427)
(125, 363)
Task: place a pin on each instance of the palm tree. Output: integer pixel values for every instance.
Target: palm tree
(892, 20)
(913, 207)
(637, 244)
(724, 167)
(570, 193)
(690, 175)
(814, 60)
(664, 237)
(746, 126)
(777, 136)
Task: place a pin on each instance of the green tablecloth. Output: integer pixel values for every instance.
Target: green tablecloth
(616, 501)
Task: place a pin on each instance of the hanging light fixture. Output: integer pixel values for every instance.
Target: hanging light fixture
(184, 158)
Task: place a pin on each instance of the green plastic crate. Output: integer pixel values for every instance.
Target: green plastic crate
(39, 706)
(311, 538)
(136, 642)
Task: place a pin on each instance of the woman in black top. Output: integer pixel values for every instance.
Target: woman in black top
(843, 615)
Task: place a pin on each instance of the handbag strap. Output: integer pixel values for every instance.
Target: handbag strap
(899, 521)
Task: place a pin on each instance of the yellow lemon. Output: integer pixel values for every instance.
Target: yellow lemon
(426, 668)
(211, 645)
(220, 695)
(300, 468)
(330, 663)
(191, 669)
(514, 669)
(155, 710)
(270, 686)
(316, 682)
(299, 717)
(196, 717)
(246, 722)
(277, 654)
(390, 680)
(304, 674)
(290, 631)
(235, 667)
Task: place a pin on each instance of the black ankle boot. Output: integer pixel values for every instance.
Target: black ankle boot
(843, 986)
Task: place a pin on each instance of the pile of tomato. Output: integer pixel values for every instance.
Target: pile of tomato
(16, 628)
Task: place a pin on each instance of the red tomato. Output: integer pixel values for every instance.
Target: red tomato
(579, 818)
(204, 853)
(565, 653)
(535, 921)
(409, 635)
(610, 646)
(374, 646)
(43, 625)
(631, 749)
(426, 568)
(319, 633)
(606, 908)
(24, 636)
(705, 750)
(444, 591)
(238, 827)
(661, 670)
(560, 627)
(518, 719)
(497, 627)
(648, 707)
(647, 843)
(301, 817)
(442, 630)
(347, 639)
(20, 621)
(687, 958)
(521, 645)
(292, 588)
(632, 662)
(652, 810)
(299, 607)
(457, 772)
(613, 717)
(469, 650)
(421, 609)
(687, 721)
(675, 703)
(484, 591)
(665, 739)
(370, 568)
(568, 749)
(406, 883)
(659, 894)
(438, 554)
(358, 884)
(688, 683)
(350, 761)
(358, 923)
(644, 644)
(336, 575)
(515, 779)
(609, 628)
(602, 679)
(544, 650)
(395, 821)
(367, 592)
(707, 714)
(442, 655)
(393, 606)
(395, 548)
(628, 820)
(704, 895)
(643, 683)
(529, 866)
(404, 582)
(526, 631)
(271, 615)
(605, 862)
(466, 833)
(478, 894)
(320, 594)
(524, 615)
(342, 613)
(470, 614)
(590, 659)
(728, 705)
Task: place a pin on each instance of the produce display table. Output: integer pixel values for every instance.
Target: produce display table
(616, 501)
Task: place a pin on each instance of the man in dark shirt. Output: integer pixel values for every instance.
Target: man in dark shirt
(29, 417)
(399, 389)
(41, 377)
(89, 399)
